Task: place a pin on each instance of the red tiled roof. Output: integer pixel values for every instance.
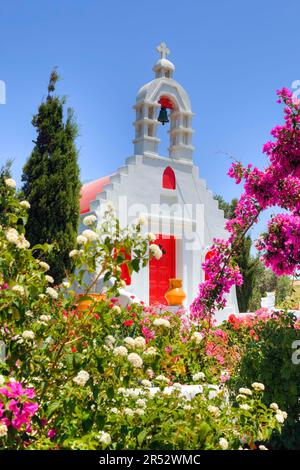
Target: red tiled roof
(89, 192)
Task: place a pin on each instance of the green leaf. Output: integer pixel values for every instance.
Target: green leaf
(141, 437)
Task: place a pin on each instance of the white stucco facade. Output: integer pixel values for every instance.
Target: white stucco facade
(189, 212)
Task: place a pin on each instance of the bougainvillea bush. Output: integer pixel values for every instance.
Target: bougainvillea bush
(277, 185)
(99, 378)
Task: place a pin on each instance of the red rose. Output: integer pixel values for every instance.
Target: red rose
(128, 323)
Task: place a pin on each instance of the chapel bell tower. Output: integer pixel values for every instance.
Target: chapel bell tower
(163, 102)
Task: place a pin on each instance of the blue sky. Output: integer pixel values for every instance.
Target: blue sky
(231, 56)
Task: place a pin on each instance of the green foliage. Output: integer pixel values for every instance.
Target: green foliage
(267, 281)
(268, 359)
(51, 182)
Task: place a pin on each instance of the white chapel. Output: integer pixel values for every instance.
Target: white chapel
(165, 189)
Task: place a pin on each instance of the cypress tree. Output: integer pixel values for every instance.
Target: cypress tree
(51, 181)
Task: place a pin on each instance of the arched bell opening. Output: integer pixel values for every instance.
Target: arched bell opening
(165, 122)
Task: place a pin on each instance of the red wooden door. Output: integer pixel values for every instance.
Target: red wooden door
(160, 271)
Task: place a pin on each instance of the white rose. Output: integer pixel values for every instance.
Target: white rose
(177, 386)
(25, 204)
(146, 383)
(245, 407)
(162, 322)
(140, 411)
(12, 235)
(197, 337)
(81, 378)
(135, 360)
(3, 430)
(258, 387)
(104, 438)
(120, 351)
(282, 413)
(2, 379)
(89, 220)
(114, 411)
(134, 392)
(22, 243)
(279, 418)
(45, 318)
(43, 265)
(141, 403)
(155, 251)
(128, 411)
(261, 447)
(141, 220)
(74, 253)
(150, 237)
(274, 406)
(245, 391)
(214, 410)
(81, 240)
(140, 342)
(52, 292)
(28, 335)
(109, 340)
(10, 183)
(240, 396)
(198, 376)
(18, 289)
(66, 284)
(223, 443)
(29, 313)
(130, 342)
(90, 235)
(49, 279)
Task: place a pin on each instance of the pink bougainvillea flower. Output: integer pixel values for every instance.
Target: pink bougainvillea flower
(51, 433)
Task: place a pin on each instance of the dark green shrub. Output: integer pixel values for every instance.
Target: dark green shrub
(268, 359)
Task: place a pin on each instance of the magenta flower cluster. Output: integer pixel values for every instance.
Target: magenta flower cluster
(276, 185)
(221, 276)
(17, 406)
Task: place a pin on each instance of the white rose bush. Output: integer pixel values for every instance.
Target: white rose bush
(110, 377)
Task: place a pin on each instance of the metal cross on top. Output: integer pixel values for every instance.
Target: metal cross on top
(163, 50)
